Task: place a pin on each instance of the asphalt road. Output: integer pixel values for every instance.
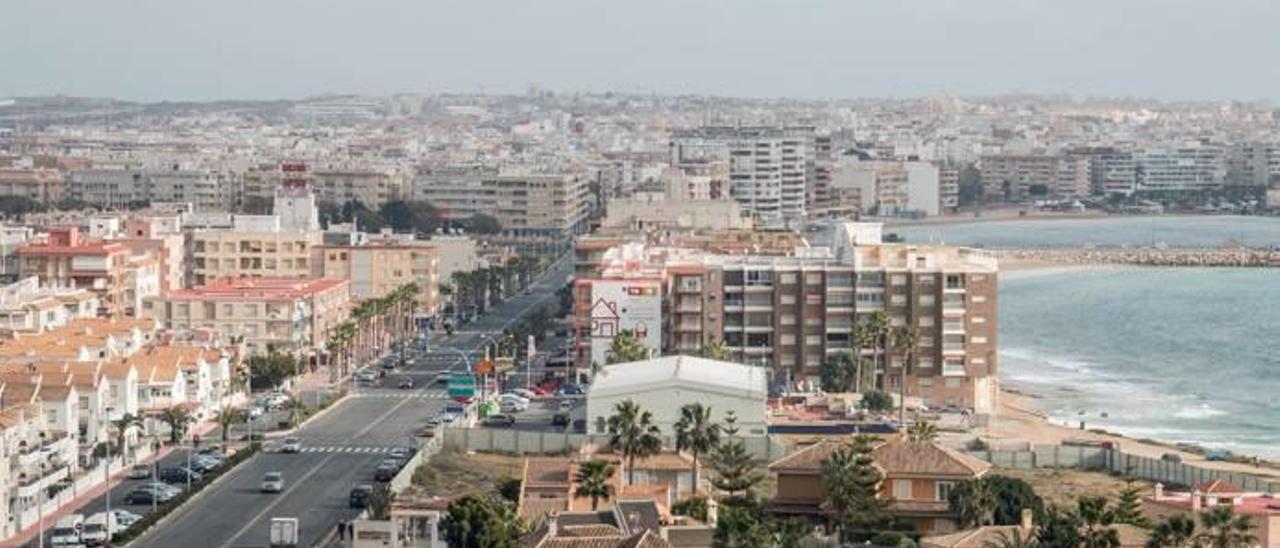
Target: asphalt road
(342, 448)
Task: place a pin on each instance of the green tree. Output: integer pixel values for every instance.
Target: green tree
(481, 521)
(122, 426)
(633, 435)
(970, 185)
(1128, 508)
(716, 350)
(380, 502)
(905, 340)
(743, 526)
(1176, 531)
(838, 373)
(270, 370)
(1058, 529)
(177, 418)
(483, 224)
(694, 507)
(696, 434)
(228, 416)
(16, 206)
(852, 484)
(595, 480)
(1097, 523)
(735, 472)
(626, 347)
(877, 401)
(1012, 496)
(922, 431)
(871, 333)
(1220, 527)
(295, 408)
(973, 502)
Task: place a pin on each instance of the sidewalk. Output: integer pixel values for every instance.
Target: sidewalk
(85, 497)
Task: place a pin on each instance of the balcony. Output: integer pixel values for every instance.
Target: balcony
(953, 370)
(33, 483)
(953, 304)
(689, 326)
(690, 305)
(953, 348)
(953, 327)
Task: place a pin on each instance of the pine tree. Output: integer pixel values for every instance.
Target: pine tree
(852, 483)
(735, 473)
(1128, 507)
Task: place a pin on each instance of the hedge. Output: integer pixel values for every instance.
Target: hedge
(142, 525)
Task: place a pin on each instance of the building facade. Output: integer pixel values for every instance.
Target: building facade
(769, 167)
(376, 270)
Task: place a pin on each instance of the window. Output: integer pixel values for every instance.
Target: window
(787, 298)
(897, 321)
(943, 489)
(979, 340)
(924, 363)
(953, 382)
(787, 319)
(926, 342)
(812, 360)
(926, 300)
(787, 278)
(979, 319)
(902, 489)
(788, 339)
(813, 278)
(813, 299)
(897, 300)
(813, 340)
(926, 321)
(898, 279)
(979, 298)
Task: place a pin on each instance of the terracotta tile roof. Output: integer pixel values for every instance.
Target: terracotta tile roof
(895, 458)
(56, 392)
(594, 530)
(904, 458)
(117, 369)
(1218, 487)
(534, 509)
(19, 394)
(1130, 537)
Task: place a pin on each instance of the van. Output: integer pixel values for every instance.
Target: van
(99, 529)
(67, 531)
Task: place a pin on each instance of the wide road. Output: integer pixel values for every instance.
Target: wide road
(341, 448)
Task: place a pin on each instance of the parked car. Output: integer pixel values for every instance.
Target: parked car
(1216, 455)
(565, 405)
(525, 393)
(512, 407)
(291, 445)
(1171, 457)
(385, 472)
(560, 419)
(99, 529)
(500, 421)
(359, 497)
(427, 431)
(405, 383)
(447, 418)
(389, 364)
(442, 378)
(366, 375)
(511, 396)
(179, 474)
(143, 495)
(273, 482)
(140, 471)
(400, 453)
(125, 519)
(569, 389)
(67, 532)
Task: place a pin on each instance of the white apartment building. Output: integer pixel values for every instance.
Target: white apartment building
(769, 168)
(1184, 168)
(123, 186)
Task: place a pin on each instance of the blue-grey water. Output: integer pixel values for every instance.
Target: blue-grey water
(1181, 355)
(1184, 231)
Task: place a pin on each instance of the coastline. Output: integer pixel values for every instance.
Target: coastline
(1022, 422)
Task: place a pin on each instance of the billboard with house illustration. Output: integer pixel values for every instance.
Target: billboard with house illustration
(625, 304)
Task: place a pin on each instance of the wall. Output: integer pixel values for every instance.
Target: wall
(1097, 458)
(525, 442)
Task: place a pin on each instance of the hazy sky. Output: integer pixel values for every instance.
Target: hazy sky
(211, 49)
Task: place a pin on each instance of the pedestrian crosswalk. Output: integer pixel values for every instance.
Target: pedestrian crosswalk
(387, 394)
(354, 449)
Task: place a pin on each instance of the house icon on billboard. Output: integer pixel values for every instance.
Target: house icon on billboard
(605, 320)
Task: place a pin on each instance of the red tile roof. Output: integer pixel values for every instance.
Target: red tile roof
(1218, 487)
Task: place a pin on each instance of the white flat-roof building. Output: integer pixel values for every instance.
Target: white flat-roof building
(663, 385)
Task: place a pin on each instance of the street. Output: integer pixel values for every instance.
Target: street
(341, 448)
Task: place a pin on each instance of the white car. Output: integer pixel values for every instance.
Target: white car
(140, 471)
(366, 375)
(512, 406)
(255, 411)
(447, 418)
(273, 482)
(125, 519)
(291, 445)
(99, 528)
(510, 396)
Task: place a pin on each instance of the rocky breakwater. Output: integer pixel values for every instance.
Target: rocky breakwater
(1221, 257)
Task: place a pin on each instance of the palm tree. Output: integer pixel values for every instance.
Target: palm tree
(1222, 528)
(294, 407)
(1097, 520)
(867, 334)
(973, 502)
(1176, 531)
(696, 434)
(716, 350)
(626, 347)
(122, 426)
(633, 435)
(177, 418)
(229, 416)
(878, 325)
(906, 340)
(1014, 540)
(594, 479)
(922, 432)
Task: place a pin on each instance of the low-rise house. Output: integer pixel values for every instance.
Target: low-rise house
(917, 477)
(28, 308)
(663, 385)
(1130, 536)
(1261, 509)
(547, 483)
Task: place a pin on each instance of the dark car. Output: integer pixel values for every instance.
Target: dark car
(147, 496)
(359, 497)
(385, 472)
(179, 474)
(560, 419)
(500, 420)
(405, 383)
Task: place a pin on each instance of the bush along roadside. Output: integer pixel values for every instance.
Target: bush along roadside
(163, 510)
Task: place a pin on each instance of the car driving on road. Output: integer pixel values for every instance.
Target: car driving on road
(291, 445)
(273, 482)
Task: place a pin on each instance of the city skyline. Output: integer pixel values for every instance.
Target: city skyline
(237, 50)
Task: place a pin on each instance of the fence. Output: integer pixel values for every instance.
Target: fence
(1119, 462)
(538, 442)
(404, 477)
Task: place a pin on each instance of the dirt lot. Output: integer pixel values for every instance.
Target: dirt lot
(453, 473)
(1062, 487)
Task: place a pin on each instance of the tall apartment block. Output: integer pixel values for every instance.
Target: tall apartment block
(769, 167)
(791, 313)
(540, 211)
(1111, 169)
(1190, 167)
(1015, 177)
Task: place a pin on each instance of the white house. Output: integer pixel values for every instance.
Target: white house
(663, 385)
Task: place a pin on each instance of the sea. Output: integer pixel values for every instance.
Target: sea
(1183, 355)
